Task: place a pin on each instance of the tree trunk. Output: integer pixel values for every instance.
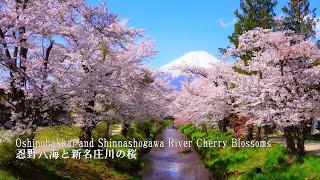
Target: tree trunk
(288, 134)
(107, 130)
(258, 135)
(125, 128)
(265, 132)
(300, 145)
(223, 125)
(32, 132)
(205, 129)
(301, 139)
(249, 135)
(86, 133)
(147, 132)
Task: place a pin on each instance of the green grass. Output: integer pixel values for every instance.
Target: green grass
(313, 138)
(2, 132)
(114, 126)
(64, 169)
(124, 168)
(167, 122)
(6, 175)
(308, 168)
(252, 163)
(82, 169)
(52, 133)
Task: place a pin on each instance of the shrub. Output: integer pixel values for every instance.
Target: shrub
(119, 137)
(197, 134)
(189, 130)
(100, 131)
(167, 122)
(5, 175)
(7, 153)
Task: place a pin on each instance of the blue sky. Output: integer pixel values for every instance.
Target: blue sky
(181, 26)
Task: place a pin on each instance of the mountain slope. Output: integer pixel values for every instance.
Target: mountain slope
(194, 58)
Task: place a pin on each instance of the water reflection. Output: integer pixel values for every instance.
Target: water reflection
(170, 163)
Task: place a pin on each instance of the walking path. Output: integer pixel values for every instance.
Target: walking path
(310, 146)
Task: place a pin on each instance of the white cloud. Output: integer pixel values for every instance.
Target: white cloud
(224, 24)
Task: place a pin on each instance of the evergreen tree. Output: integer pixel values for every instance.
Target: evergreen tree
(299, 18)
(252, 14)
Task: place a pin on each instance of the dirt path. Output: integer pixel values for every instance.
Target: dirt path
(116, 131)
(173, 162)
(310, 146)
(313, 147)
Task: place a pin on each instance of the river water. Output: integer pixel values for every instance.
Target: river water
(173, 162)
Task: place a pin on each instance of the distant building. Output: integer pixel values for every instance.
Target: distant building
(315, 126)
(5, 110)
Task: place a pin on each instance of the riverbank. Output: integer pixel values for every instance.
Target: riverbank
(251, 162)
(73, 168)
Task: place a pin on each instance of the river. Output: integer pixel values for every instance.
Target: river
(173, 162)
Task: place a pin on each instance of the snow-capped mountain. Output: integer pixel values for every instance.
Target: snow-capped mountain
(194, 58)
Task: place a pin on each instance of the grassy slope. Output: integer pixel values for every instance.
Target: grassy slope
(56, 169)
(252, 163)
(64, 169)
(72, 168)
(52, 133)
(2, 131)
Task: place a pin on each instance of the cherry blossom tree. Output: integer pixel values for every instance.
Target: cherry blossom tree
(149, 102)
(37, 52)
(111, 77)
(283, 89)
(66, 53)
(207, 99)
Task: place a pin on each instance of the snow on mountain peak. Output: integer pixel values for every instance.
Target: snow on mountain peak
(194, 58)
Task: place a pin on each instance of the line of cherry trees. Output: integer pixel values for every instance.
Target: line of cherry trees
(58, 53)
(282, 90)
(274, 81)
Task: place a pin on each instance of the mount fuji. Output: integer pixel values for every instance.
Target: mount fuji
(193, 58)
